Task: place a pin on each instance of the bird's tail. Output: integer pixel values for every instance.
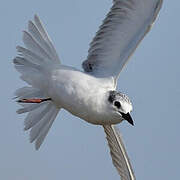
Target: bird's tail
(41, 113)
(35, 63)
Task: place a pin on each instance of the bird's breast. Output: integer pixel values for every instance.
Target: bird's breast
(80, 94)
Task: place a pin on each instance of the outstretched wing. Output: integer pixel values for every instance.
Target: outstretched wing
(118, 153)
(122, 30)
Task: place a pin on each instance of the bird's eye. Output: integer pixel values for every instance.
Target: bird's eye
(117, 104)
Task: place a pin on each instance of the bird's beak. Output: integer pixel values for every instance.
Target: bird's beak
(128, 118)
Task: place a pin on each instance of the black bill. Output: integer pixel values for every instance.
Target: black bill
(128, 118)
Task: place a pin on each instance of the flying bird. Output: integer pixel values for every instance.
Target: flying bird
(90, 94)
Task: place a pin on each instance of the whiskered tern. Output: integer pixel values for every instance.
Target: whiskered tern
(90, 94)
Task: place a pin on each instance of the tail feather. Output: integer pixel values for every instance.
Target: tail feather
(37, 60)
(33, 29)
(31, 43)
(20, 61)
(41, 128)
(38, 41)
(30, 56)
(31, 73)
(35, 116)
(22, 65)
(35, 63)
(28, 108)
(45, 129)
(35, 130)
(40, 115)
(45, 36)
(29, 92)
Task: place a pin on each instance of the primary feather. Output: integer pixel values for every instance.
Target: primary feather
(122, 30)
(118, 153)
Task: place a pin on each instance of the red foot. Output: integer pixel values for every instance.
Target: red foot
(33, 100)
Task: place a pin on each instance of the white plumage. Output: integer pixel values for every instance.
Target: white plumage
(90, 95)
(119, 35)
(32, 63)
(118, 153)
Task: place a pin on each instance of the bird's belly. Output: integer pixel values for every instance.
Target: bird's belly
(80, 94)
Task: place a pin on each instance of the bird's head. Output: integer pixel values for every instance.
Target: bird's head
(120, 105)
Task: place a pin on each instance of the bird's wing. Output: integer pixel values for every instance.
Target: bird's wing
(118, 153)
(122, 30)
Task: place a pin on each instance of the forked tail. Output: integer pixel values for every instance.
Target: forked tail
(35, 63)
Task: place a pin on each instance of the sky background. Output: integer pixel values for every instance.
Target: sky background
(73, 148)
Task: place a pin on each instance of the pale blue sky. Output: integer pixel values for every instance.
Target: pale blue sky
(75, 149)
